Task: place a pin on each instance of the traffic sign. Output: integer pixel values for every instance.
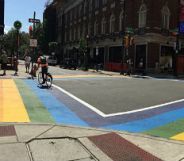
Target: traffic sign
(33, 43)
(32, 20)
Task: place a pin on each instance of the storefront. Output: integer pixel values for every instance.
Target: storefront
(115, 58)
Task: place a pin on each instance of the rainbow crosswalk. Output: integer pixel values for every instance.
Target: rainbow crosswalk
(22, 101)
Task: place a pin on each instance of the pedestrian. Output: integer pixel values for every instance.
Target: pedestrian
(141, 66)
(42, 61)
(27, 63)
(129, 63)
(4, 61)
(33, 71)
(15, 64)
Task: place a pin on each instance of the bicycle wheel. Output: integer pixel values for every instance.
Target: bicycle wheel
(40, 79)
(49, 80)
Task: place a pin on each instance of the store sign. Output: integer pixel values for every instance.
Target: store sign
(181, 10)
(181, 27)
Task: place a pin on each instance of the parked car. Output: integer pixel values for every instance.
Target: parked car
(52, 60)
(70, 63)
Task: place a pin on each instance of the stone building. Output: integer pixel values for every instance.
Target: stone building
(1, 17)
(148, 26)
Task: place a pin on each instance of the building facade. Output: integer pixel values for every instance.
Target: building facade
(116, 30)
(1, 17)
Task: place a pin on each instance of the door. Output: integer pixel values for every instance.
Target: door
(140, 56)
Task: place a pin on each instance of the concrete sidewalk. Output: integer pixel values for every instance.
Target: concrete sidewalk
(41, 142)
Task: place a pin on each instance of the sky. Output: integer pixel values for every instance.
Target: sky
(22, 10)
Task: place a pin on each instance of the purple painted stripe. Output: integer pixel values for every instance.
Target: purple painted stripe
(95, 120)
(82, 111)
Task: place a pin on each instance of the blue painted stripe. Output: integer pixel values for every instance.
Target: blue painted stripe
(57, 109)
(149, 123)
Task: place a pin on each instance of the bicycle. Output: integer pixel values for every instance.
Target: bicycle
(48, 79)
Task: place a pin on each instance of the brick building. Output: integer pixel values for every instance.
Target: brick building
(1, 17)
(103, 24)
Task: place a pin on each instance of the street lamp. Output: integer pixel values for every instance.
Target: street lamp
(123, 6)
(86, 53)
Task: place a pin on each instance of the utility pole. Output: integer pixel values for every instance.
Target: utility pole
(17, 25)
(177, 38)
(34, 49)
(33, 41)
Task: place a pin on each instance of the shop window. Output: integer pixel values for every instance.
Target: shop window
(115, 54)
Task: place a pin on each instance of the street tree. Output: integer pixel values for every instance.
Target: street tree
(9, 42)
(39, 34)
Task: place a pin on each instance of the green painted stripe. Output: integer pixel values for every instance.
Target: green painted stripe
(36, 110)
(168, 130)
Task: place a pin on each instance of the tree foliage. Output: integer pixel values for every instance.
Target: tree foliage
(39, 34)
(9, 42)
(82, 46)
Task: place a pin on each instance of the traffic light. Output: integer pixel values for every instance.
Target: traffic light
(126, 41)
(30, 31)
(131, 41)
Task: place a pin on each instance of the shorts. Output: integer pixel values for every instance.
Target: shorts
(3, 66)
(44, 70)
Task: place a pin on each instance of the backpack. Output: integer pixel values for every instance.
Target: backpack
(43, 60)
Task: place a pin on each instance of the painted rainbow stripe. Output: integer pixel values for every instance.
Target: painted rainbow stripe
(12, 108)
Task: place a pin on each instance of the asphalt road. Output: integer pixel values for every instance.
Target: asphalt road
(113, 95)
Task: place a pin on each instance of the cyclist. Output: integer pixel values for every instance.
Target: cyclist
(42, 61)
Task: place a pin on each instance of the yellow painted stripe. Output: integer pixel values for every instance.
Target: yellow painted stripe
(74, 76)
(13, 109)
(84, 76)
(178, 137)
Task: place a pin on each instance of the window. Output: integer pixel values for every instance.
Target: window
(95, 28)
(165, 17)
(65, 36)
(121, 18)
(74, 34)
(89, 29)
(70, 36)
(103, 26)
(104, 2)
(90, 5)
(142, 16)
(71, 16)
(112, 23)
(97, 3)
(75, 13)
(85, 7)
(78, 32)
(80, 8)
(84, 30)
